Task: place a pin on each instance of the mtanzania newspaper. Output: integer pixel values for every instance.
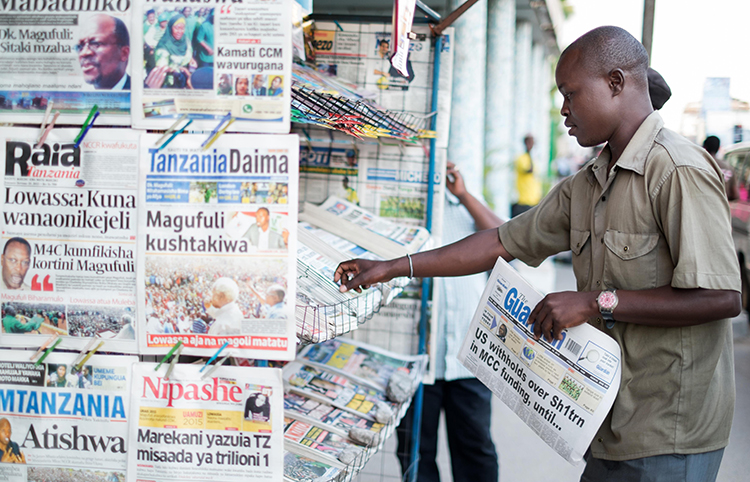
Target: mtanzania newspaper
(562, 390)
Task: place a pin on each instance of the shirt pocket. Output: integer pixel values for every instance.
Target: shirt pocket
(630, 260)
(581, 256)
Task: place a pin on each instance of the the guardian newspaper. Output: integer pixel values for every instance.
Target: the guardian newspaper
(217, 245)
(225, 427)
(563, 390)
(69, 236)
(63, 423)
(72, 53)
(210, 59)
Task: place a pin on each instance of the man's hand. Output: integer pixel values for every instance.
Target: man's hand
(357, 274)
(455, 182)
(156, 77)
(10, 458)
(558, 311)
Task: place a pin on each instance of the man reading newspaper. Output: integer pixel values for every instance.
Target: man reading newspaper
(648, 224)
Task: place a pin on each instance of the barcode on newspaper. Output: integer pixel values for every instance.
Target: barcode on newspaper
(572, 346)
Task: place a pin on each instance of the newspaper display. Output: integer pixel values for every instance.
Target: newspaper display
(217, 254)
(212, 59)
(336, 420)
(363, 363)
(72, 53)
(225, 427)
(319, 442)
(302, 468)
(561, 390)
(329, 166)
(69, 235)
(64, 424)
(338, 390)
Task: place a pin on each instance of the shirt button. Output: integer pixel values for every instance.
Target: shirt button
(625, 249)
(604, 198)
(600, 440)
(597, 282)
(578, 245)
(599, 322)
(602, 240)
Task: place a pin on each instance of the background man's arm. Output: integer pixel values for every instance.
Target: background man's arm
(483, 216)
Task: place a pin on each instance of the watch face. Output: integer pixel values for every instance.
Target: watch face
(607, 300)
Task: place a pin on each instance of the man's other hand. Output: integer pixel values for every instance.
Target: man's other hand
(357, 274)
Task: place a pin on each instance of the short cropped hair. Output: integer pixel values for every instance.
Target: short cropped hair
(227, 287)
(18, 240)
(121, 33)
(712, 144)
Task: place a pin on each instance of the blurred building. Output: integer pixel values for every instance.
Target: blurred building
(717, 114)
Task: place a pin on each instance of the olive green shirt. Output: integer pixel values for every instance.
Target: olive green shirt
(659, 218)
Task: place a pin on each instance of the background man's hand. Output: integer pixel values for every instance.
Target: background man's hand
(558, 311)
(455, 182)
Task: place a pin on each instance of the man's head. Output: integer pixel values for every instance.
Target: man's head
(275, 294)
(712, 144)
(15, 261)
(257, 81)
(345, 182)
(103, 51)
(5, 432)
(658, 89)
(151, 17)
(260, 400)
(383, 48)
(502, 331)
(9, 310)
(126, 320)
(243, 86)
(602, 77)
(223, 292)
(187, 11)
(262, 217)
(528, 141)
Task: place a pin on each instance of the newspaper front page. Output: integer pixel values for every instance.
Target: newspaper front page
(69, 236)
(64, 424)
(210, 59)
(225, 427)
(218, 245)
(72, 53)
(561, 390)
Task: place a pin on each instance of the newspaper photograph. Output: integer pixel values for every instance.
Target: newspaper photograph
(363, 363)
(302, 468)
(66, 55)
(328, 167)
(69, 238)
(217, 257)
(63, 422)
(210, 60)
(338, 390)
(336, 420)
(562, 390)
(227, 426)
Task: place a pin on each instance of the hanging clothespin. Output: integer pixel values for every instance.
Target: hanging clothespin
(215, 366)
(47, 130)
(88, 347)
(46, 118)
(45, 345)
(171, 129)
(173, 362)
(215, 355)
(175, 134)
(216, 129)
(86, 130)
(94, 110)
(88, 355)
(169, 354)
(49, 350)
(219, 134)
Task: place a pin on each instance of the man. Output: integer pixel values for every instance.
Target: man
(127, 332)
(59, 378)
(11, 323)
(10, 452)
(15, 260)
(528, 186)
(103, 52)
(261, 235)
(205, 41)
(274, 299)
(711, 144)
(351, 193)
(223, 308)
(649, 219)
(257, 408)
(258, 88)
(466, 402)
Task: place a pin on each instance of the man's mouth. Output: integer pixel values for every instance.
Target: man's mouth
(88, 67)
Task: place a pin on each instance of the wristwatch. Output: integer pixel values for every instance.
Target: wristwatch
(607, 302)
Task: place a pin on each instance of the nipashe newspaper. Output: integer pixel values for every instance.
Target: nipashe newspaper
(561, 390)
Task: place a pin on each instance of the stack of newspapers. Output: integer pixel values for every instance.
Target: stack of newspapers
(337, 410)
(329, 234)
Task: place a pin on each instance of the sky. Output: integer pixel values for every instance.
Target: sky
(693, 40)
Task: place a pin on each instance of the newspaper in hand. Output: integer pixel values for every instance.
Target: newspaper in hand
(562, 390)
(69, 237)
(211, 59)
(64, 423)
(68, 55)
(226, 427)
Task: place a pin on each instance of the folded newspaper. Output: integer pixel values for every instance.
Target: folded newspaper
(561, 390)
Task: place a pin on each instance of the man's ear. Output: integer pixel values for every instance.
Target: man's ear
(616, 80)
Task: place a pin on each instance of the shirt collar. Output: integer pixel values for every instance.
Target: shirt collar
(636, 152)
(121, 84)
